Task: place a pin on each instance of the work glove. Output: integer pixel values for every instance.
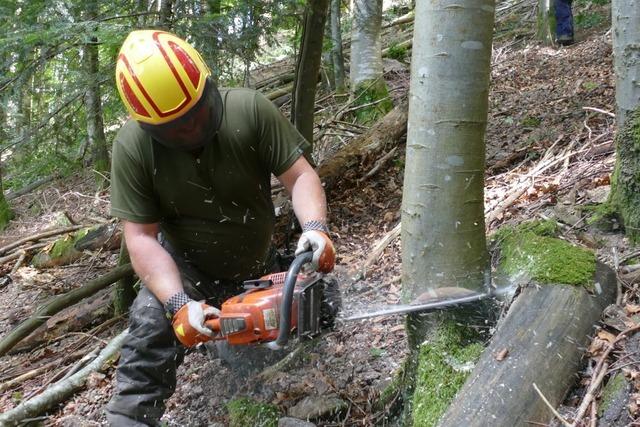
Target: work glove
(188, 322)
(324, 254)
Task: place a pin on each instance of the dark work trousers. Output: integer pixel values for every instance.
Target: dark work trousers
(150, 356)
(564, 18)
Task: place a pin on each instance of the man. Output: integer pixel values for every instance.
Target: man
(193, 165)
(564, 22)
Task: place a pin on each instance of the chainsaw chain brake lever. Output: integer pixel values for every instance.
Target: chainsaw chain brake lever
(287, 300)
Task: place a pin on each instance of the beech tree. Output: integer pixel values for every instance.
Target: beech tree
(337, 57)
(366, 72)
(443, 229)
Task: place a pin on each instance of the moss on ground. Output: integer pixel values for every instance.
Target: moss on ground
(62, 251)
(245, 412)
(369, 92)
(444, 362)
(530, 251)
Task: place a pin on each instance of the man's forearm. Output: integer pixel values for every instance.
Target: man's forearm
(308, 199)
(154, 266)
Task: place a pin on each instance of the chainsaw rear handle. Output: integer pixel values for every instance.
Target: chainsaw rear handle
(287, 299)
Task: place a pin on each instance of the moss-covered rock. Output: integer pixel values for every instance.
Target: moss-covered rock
(245, 412)
(444, 362)
(529, 251)
(625, 182)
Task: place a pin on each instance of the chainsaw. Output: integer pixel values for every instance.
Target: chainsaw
(277, 305)
(280, 304)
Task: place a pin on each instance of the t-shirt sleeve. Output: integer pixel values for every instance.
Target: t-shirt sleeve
(280, 143)
(131, 184)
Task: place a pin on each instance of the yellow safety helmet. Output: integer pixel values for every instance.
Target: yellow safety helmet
(159, 76)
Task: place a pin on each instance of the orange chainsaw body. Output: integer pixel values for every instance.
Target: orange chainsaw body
(254, 315)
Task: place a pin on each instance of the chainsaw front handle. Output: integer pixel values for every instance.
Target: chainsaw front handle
(287, 299)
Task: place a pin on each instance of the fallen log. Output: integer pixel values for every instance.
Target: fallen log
(55, 305)
(30, 187)
(387, 131)
(71, 319)
(61, 390)
(39, 236)
(543, 336)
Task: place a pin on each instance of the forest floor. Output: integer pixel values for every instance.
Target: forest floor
(549, 143)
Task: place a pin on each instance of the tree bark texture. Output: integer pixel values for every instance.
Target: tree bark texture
(337, 58)
(443, 231)
(625, 189)
(309, 59)
(366, 44)
(625, 15)
(544, 334)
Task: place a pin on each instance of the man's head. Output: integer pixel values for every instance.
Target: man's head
(166, 86)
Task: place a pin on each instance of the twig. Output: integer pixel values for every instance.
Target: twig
(379, 164)
(379, 247)
(588, 398)
(553, 410)
(16, 255)
(21, 258)
(598, 110)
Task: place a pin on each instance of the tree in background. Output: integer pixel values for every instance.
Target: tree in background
(443, 229)
(337, 58)
(96, 139)
(308, 67)
(546, 21)
(366, 72)
(625, 190)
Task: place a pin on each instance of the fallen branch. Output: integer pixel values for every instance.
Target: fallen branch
(39, 236)
(550, 406)
(588, 398)
(379, 248)
(63, 389)
(59, 303)
(29, 188)
(17, 254)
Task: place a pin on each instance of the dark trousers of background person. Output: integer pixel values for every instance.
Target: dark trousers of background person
(564, 20)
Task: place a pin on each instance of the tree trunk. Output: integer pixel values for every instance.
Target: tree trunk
(625, 185)
(165, 7)
(546, 21)
(544, 336)
(95, 126)
(366, 44)
(443, 229)
(366, 72)
(625, 15)
(309, 58)
(5, 209)
(336, 47)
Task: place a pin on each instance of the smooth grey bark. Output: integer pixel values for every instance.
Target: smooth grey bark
(625, 16)
(443, 230)
(337, 58)
(366, 45)
(95, 125)
(546, 21)
(309, 58)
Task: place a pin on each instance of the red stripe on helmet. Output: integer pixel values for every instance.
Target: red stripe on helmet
(175, 74)
(132, 98)
(187, 62)
(140, 87)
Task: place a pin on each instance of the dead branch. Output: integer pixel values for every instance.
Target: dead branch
(61, 390)
(17, 254)
(59, 303)
(39, 370)
(29, 188)
(550, 406)
(379, 248)
(379, 164)
(39, 236)
(588, 398)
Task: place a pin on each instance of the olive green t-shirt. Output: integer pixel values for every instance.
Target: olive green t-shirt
(214, 209)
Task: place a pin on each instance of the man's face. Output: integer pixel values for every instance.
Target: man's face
(196, 128)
